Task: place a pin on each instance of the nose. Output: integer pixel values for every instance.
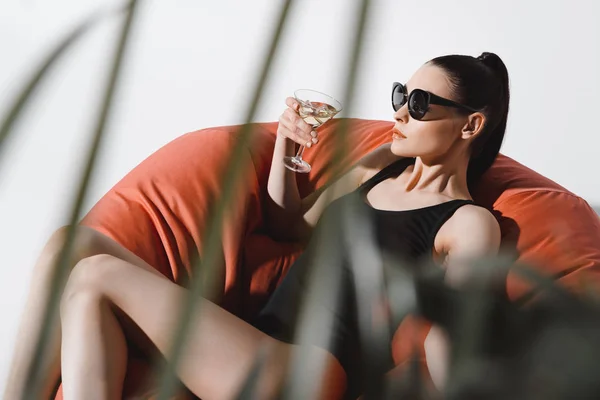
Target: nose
(402, 114)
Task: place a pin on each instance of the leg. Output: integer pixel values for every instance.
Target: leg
(94, 350)
(437, 348)
(87, 243)
(220, 349)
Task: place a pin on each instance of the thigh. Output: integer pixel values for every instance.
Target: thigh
(220, 348)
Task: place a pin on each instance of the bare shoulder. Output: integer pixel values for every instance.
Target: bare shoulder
(472, 213)
(474, 220)
(472, 230)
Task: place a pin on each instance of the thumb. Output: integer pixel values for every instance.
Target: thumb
(292, 103)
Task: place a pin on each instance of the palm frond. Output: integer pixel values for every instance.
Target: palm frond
(61, 268)
(33, 83)
(205, 272)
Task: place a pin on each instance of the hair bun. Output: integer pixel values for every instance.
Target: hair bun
(485, 55)
(490, 59)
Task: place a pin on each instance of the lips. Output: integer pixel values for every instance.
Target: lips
(396, 134)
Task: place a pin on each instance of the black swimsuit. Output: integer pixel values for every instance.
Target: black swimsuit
(408, 234)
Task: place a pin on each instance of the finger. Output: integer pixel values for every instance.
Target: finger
(291, 115)
(294, 132)
(313, 137)
(301, 127)
(292, 103)
(304, 129)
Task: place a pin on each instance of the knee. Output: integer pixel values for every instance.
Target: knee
(88, 278)
(86, 242)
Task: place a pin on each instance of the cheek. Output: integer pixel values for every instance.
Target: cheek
(423, 142)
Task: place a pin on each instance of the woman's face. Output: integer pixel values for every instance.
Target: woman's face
(440, 130)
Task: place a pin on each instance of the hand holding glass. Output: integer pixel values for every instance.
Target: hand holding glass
(315, 109)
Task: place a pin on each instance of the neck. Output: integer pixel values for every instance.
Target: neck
(447, 177)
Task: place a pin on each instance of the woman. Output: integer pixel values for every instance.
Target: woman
(450, 121)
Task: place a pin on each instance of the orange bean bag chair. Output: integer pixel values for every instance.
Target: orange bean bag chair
(160, 208)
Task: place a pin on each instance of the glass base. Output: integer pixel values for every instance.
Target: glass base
(296, 164)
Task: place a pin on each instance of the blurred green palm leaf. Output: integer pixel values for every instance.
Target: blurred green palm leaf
(27, 94)
(61, 267)
(470, 327)
(206, 269)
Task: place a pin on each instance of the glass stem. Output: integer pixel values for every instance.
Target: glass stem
(300, 153)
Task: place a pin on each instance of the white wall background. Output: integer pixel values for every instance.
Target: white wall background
(192, 66)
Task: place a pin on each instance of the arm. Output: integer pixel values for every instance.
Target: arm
(292, 218)
(471, 233)
(289, 217)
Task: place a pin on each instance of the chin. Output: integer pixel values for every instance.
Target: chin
(399, 148)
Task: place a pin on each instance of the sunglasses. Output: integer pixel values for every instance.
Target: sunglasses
(419, 101)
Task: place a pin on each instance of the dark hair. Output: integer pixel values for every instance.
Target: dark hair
(481, 83)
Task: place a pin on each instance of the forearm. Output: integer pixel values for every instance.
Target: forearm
(284, 202)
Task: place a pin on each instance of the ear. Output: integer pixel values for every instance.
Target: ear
(473, 126)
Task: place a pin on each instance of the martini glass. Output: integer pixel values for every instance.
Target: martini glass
(315, 109)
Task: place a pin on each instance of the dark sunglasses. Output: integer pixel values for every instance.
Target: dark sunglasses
(419, 101)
